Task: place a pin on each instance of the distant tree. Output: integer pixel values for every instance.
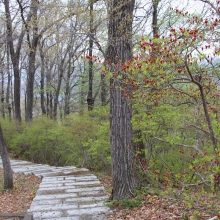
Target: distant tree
(15, 57)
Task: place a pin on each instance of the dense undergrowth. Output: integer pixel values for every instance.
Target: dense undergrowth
(173, 167)
(80, 140)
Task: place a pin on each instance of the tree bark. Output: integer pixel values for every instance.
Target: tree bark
(32, 44)
(30, 87)
(42, 83)
(61, 69)
(8, 82)
(155, 17)
(119, 51)
(15, 56)
(68, 87)
(56, 98)
(90, 98)
(3, 95)
(8, 175)
(104, 90)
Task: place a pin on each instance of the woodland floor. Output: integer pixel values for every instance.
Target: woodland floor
(151, 207)
(18, 200)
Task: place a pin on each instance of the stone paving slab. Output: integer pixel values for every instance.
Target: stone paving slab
(82, 217)
(65, 193)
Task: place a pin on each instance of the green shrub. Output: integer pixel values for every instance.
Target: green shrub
(80, 140)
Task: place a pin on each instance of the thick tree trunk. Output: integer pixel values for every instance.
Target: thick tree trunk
(119, 49)
(8, 175)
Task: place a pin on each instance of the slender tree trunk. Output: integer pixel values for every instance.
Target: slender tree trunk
(11, 107)
(68, 89)
(3, 95)
(15, 56)
(30, 87)
(82, 93)
(90, 98)
(31, 58)
(47, 103)
(49, 94)
(8, 82)
(104, 90)
(17, 89)
(205, 108)
(67, 96)
(137, 134)
(42, 97)
(57, 93)
(119, 49)
(61, 69)
(155, 17)
(8, 176)
(51, 105)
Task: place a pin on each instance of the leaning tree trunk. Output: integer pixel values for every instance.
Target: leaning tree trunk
(8, 176)
(119, 51)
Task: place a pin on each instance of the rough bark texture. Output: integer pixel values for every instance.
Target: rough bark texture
(119, 51)
(8, 176)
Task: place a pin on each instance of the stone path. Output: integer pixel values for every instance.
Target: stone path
(65, 193)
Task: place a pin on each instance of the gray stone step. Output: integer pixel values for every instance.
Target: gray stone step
(80, 213)
(65, 193)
